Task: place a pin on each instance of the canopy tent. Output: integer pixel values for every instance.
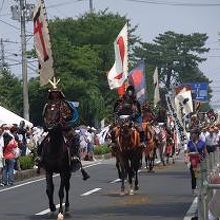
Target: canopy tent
(8, 117)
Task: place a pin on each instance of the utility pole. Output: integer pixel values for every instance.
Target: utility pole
(24, 61)
(2, 65)
(23, 13)
(91, 6)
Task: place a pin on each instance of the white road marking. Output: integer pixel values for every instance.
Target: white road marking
(91, 165)
(44, 212)
(115, 181)
(91, 192)
(192, 210)
(38, 180)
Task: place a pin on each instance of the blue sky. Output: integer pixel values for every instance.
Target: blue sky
(152, 19)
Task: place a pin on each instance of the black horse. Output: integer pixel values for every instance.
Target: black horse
(55, 159)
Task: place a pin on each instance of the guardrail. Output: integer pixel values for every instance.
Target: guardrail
(208, 168)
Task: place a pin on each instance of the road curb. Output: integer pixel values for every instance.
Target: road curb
(103, 156)
(27, 174)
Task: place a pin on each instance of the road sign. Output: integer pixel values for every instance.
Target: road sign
(200, 91)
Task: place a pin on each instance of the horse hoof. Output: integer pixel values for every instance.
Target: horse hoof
(67, 209)
(131, 192)
(122, 193)
(53, 208)
(60, 216)
(136, 187)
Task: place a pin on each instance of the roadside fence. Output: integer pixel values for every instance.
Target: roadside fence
(208, 183)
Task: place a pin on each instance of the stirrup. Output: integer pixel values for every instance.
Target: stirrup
(142, 144)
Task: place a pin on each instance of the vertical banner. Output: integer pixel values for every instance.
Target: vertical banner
(178, 125)
(156, 88)
(136, 78)
(118, 73)
(42, 43)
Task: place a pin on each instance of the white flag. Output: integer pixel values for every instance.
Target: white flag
(118, 73)
(156, 88)
(184, 98)
(42, 43)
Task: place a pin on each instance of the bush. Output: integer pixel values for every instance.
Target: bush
(102, 149)
(26, 162)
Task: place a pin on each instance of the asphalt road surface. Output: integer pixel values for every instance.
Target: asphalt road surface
(164, 195)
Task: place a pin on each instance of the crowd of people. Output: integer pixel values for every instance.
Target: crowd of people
(13, 143)
(19, 140)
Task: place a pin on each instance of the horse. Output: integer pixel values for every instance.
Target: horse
(128, 152)
(55, 159)
(170, 149)
(150, 150)
(161, 142)
(150, 137)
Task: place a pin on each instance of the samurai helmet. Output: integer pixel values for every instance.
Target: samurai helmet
(55, 92)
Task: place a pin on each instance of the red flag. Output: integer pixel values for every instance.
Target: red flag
(137, 79)
(118, 73)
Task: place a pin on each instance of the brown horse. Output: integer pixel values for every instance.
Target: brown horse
(150, 136)
(128, 153)
(150, 150)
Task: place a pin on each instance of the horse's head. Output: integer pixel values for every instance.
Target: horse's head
(52, 116)
(128, 136)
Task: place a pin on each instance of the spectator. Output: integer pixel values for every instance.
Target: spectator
(9, 157)
(196, 150)
(90, 143)
(1, 149)
(14, 132)
(22, 138)
(211, 140)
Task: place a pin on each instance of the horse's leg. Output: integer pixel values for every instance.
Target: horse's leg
(173, 153)
(146, 160)
(131, 172)
(123, 174)
(50, 190)
(161, 146)
(136, 166)
(61, 190)
(67, 187)
(118, 168)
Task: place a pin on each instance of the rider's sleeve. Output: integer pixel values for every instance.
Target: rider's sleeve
(116, 106)
(138, 107)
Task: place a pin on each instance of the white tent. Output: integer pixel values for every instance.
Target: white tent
(8, 117)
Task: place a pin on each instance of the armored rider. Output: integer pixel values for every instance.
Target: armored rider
(67, 116)
(129, 105)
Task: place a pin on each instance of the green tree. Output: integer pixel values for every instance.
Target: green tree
(83, 54)
(177, 57)
(11, 92)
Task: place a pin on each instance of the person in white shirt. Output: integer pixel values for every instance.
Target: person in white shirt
(210, 140)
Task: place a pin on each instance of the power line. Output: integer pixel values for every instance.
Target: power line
(10, 24)
(64, 3)
(176, 3)
(3, 15)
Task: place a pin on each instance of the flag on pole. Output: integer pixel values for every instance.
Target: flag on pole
(118, 73)
(156, 87)
(137, 79)
(184, 99)
(42, 43)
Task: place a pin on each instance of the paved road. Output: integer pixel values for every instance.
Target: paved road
(164, 195)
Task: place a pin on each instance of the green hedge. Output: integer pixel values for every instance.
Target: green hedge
(102, 149)
(26, 162)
